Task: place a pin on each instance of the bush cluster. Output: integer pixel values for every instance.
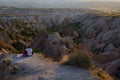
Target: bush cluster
(80, 59)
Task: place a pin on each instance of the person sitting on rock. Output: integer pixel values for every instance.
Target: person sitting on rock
(24, 53)
(29, 51)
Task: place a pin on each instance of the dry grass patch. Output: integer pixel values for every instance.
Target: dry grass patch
(101, 74)
(79, 59)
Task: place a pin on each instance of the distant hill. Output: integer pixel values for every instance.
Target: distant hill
(61, 4)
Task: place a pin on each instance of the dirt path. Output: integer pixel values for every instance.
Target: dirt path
(37, 69)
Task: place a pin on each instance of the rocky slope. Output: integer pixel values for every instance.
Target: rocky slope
(100, 33)
(59, 32)
(103, 37)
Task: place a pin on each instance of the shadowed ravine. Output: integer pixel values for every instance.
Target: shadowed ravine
(38, 69)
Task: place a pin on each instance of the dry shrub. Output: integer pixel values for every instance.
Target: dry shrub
(80, 59)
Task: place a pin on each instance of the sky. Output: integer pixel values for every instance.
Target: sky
(100, 0)
(60, 3)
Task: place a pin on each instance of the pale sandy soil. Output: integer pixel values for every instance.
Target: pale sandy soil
(35, 68)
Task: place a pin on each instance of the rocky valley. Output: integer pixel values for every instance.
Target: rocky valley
(59, 32)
